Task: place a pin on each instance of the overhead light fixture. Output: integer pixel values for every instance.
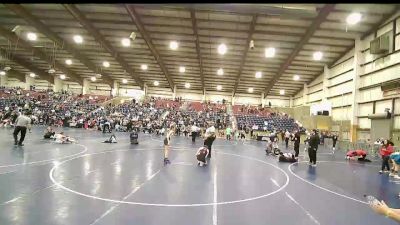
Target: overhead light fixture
(62, 77)
(124, 81)
(143, 67)
(7, 68)
(222, 49)
(219, 87)
(182, 69)
(156, 83)
(258, 74)
(126, 42)
(31, 36)
(106, 64)
(52, 71)
(269, 52)
(187, 85)
(251, 90)
(353, 18)
(220, 72)
(78, 39)
(93, 79)
(2, 72)
(68, 62)
(173, 45)
(296, 77)
(32, 75)
(317, 56)
(282, 92)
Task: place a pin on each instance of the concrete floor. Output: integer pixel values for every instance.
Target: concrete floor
(95, 183)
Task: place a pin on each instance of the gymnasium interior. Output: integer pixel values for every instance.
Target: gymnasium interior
(270, 84)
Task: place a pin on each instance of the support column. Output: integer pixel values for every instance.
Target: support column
(262, 99)
(174, 92)
(145, 89)
(115, 89)
(291, 102)
(233, 100)
(28, 82)
(305, 96)
(3, 80)
(58, 84)
(204, 95)
(86, 87)
(358, 70)
(325, 83)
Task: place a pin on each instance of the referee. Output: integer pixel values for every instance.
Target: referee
(313, 147)
(22, 122)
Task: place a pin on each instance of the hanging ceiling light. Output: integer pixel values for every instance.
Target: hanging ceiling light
(282, 92)
(106, 64)
(62, 77)
(222, 49)
(156, 83)
(269, 52)
(220, 72)
(258, 74)
(317, 56)
(182, 69)
(124, 81)
(251, 90)
(126, 42)
(296, 77)
(31, 36)
(2, 73)
(78, 39)
(32, 75)
(93, 79)
(353, 18)
(144, 67)
(173, 45)
(68, 62)
(187, 85)
(219, 87)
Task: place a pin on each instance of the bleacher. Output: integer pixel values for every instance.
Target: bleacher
(272, 122)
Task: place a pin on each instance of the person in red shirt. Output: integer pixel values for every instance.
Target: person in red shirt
(359, 153)
(385, 152)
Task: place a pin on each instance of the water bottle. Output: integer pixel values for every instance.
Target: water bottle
(372, 200)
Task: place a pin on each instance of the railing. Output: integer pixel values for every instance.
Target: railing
(346, 145)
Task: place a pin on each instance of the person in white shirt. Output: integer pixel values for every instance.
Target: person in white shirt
(167, 144)
(21, 123)
(194, 130)
(287, 137)
(209, 139)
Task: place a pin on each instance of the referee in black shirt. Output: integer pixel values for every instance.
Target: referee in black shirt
(313, 147)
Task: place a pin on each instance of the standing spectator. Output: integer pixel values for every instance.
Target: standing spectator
(334, 140)
(287, 136)
(193, 130)
(296, 140)
(313, 147)
(228, 133)
(385, 152)
(21, 123)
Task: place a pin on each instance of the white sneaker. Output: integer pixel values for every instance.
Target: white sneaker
(391, 174)
(380, 171)
(314, 165)
(396, 176)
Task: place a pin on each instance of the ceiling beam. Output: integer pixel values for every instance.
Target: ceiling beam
(29, 65)
(136, 20)
(75, 12)
(194, 25)
(322, 15)
(44, 29)
(244, 56)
